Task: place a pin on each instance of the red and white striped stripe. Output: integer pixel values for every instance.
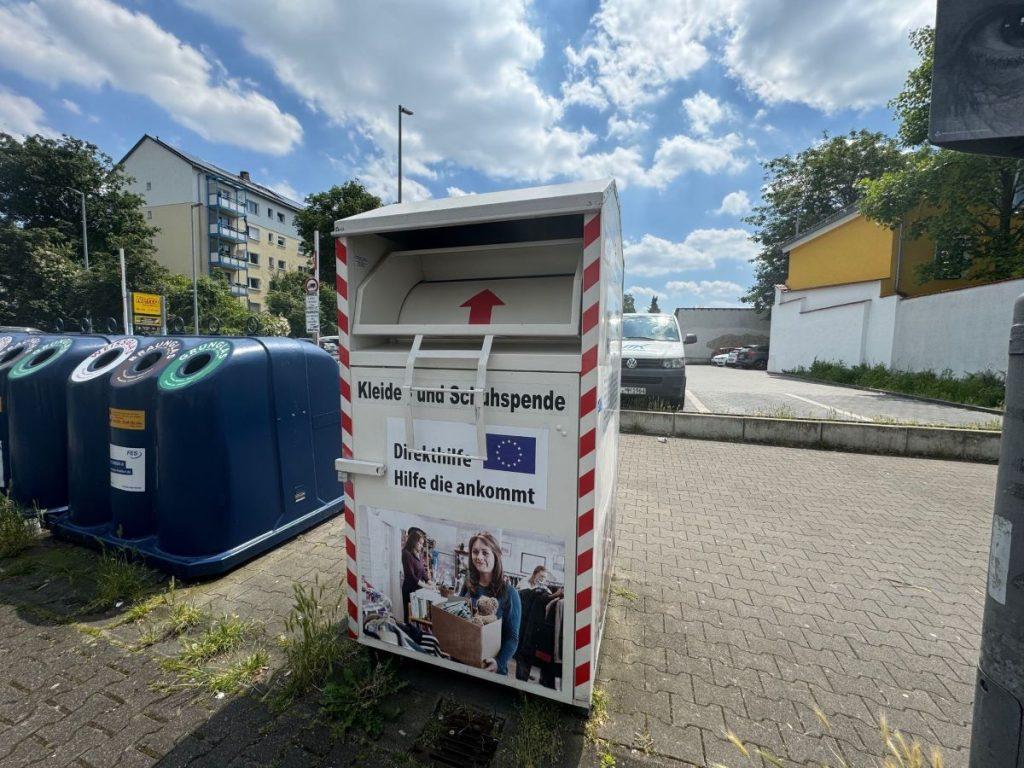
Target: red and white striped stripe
(345, 381)
(590, 327)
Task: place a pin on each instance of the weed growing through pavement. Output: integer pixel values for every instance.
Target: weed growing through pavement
(314, 645)
(531, 744)
(16, 533)
(625, 594)
(599, 703)
(900, 752)
(121, 579)
(356, 699)
(224, 635)
(239, 676)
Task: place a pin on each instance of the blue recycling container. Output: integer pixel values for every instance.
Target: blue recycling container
(37, 426)
(133, 436)
(88, 389)
(248, 432)
(12, 348)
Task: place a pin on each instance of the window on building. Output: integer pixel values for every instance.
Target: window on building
(281, 264)
(254, 207)
(270, 212)
(149, 185)
(280, 242)
(254, 306)
(270, 237)
(254, 283)
(149, 214)
(953, 261)
(254, 258)
(254, 233)
(280, 217)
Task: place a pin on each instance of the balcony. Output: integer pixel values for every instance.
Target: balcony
(226, 232)
(228, 261)
(239, 289)
(226, 203)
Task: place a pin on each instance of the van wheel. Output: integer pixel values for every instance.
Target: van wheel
(761, 365)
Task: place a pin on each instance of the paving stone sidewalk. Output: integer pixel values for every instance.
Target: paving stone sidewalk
(753, 584)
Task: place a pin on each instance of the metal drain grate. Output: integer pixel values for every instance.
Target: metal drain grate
(460, 736)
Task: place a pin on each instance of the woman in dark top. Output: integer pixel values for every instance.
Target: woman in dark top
(414, 573)
(486, 577)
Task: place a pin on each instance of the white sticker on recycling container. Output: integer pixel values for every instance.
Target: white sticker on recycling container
(127, 468)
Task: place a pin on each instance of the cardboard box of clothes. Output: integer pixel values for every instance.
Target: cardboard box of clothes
(464, 640)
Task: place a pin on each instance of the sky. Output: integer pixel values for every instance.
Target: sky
(679, 100)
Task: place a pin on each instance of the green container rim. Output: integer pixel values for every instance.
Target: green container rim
(173, 376)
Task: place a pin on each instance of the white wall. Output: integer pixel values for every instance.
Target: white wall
(171, 179)
(851, 324)
(965, 331)
(721, 327)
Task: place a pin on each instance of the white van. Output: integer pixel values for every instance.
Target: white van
(654, 357)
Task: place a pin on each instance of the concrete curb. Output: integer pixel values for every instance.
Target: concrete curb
(890, 440)
(890, 393)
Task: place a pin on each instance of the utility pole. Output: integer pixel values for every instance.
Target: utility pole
(195, 271)
(85, 232)
(401, 111)
(124, 296)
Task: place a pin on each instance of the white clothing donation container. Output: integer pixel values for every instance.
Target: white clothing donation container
(479, 347)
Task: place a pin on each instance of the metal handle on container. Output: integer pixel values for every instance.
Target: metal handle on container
(481, 356)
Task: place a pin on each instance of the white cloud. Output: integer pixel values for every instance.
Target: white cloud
(640, 290)
(456, 192)
(584, 92)
(380, 177)
(282, 187)
(96, 43)
(71, 106)
(782, 50)
(722, 290)
(845, 53)
(682, 153)
(20, 116)
(652, 256)
(735, 204)
(637, 48)
(625, 127)
(704, 111)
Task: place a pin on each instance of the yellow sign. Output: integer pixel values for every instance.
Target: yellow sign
(146, 304)
(121, 418)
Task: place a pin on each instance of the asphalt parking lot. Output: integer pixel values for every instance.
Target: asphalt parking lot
(752, 585)
(710, 389)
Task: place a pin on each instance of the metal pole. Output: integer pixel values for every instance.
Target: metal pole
(316, 274)
(399, 153)
(124, 295)
(85, 232)
(195, 276)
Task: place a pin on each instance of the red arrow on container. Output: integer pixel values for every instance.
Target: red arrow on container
(481, 306)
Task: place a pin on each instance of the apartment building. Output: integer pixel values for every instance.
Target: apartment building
(236, 230)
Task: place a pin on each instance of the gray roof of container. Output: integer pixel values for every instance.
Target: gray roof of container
(532, 202)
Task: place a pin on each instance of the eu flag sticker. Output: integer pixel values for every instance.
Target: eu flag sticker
(511, 453)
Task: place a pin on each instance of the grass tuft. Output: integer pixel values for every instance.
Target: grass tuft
(624, 593)
(315, 645)
(531, 744)
(357, 699)
(16, 533)
(224, 635)
(121, 579)
(239, 676)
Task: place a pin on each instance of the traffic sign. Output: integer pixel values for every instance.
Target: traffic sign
(312, 312)
(312, 286)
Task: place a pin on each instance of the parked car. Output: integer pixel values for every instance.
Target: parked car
(755, 356)
(721, 355)
(731, 357)
(653, 357)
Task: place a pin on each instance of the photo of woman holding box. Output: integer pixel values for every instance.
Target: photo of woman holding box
(414, 574)
(486, 577)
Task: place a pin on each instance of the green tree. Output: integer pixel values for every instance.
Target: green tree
(214, 299)
(968, 205)
(654, 309)
(803, 189)
(41, 234)
(628, 305)
(37, 273)
(322, 210)
(287, 297)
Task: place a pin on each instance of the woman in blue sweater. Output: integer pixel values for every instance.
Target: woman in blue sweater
(487, 578)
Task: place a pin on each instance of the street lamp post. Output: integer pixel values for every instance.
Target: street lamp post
(85, 233)
(401, 111)
(195, 275)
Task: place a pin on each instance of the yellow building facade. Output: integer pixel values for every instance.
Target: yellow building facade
(850, 248)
